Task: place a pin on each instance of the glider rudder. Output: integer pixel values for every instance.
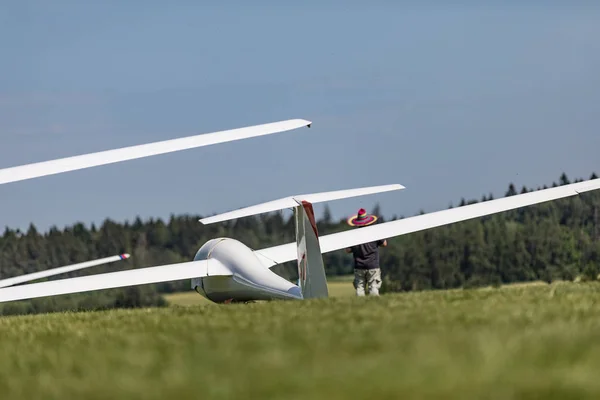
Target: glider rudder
(311, 271)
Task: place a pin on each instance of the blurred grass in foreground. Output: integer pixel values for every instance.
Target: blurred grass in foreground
(538, 341)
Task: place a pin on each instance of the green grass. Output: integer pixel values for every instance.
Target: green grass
(539, 341)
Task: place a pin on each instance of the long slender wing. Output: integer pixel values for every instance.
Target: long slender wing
(140, 276)
(293, 201)
(61, 165)
(287, 252)
(60, 270)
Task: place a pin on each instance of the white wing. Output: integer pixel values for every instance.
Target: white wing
(61, 270)
(61, 165)
(141, 276)
(287, 252)
(293, 201)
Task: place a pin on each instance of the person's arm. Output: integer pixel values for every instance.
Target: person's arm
(348, 250)
(382, 243)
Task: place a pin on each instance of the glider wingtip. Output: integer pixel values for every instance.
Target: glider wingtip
(393, 186)
(302, 122)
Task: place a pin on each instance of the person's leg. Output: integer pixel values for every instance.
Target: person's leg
(374, 281)
(359, 281)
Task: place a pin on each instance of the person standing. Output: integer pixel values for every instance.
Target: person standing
(366, 257)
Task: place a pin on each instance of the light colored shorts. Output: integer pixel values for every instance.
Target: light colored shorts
(370, 277)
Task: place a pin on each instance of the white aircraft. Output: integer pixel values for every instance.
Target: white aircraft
(35, 170)
(225, 270)
(61, 270)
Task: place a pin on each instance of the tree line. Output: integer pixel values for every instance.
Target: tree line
(549, 241)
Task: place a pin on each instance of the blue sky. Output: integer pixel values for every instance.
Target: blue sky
(449, 101)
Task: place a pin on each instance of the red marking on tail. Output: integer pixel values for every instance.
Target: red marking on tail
(310, 213)
(303, 267)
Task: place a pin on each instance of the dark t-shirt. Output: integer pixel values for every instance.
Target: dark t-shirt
(366, 255)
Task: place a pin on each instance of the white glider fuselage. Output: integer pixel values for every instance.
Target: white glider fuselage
(229, 271)
(234, 273)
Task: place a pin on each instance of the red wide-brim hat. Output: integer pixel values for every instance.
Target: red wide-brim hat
(362, 218)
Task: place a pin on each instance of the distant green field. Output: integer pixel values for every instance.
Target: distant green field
(532, 341)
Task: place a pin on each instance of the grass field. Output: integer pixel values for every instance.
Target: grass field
(538, 341)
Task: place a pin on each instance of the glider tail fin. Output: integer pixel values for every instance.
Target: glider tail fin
(311, 271)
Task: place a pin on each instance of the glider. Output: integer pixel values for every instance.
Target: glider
(60, 270)
(225, 270)
(52, 167)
